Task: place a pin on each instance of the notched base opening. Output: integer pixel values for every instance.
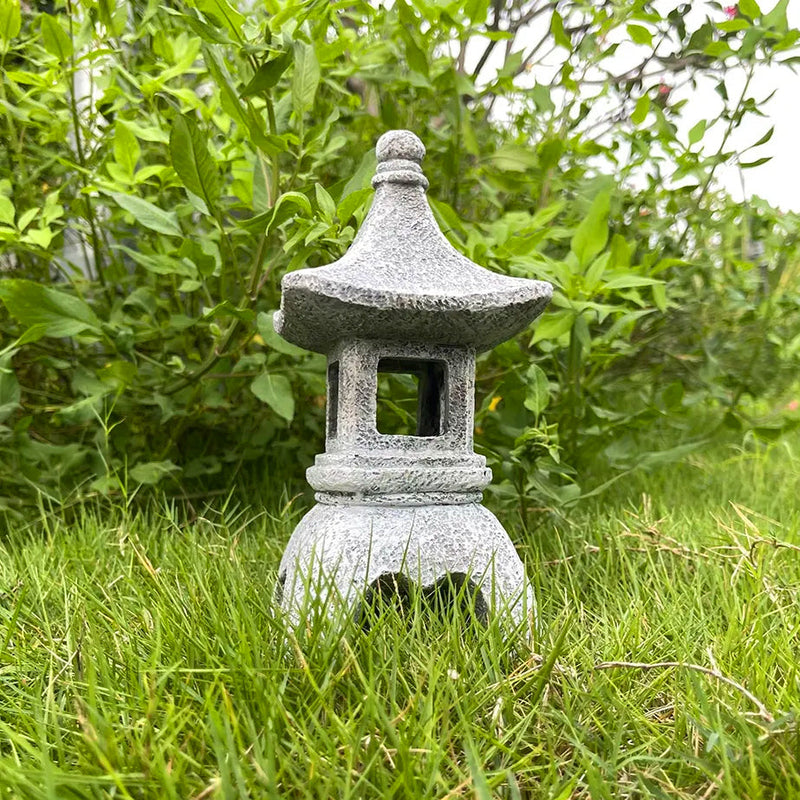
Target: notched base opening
(395, 590)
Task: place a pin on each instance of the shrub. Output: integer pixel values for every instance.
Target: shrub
(166, 163)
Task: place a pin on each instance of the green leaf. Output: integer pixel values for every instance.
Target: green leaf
(765, 138)
(55, 39)
(223, 14)
(151, 472)
(126, 148)
(479, 781)
(6, 211)
(362, 177)
(325, 202)
(541, 97)
(630, 282)
(273, 339)
(512, 64)
(149, 215)
(415, 56)
(193, 162)
(591, 235)
(268, 75)
(640, 35)
(553, 325)
(733, 25)
(41, 237)
(777, 17)
(160, 264)
(640, 112)
(537, 393)
(261, 184)
(559, 33)
(718, 50)
(206, 32)
(54, 313)
(671, 455)
(514, 158)
(10, 20)
(113, 14)
(276, 392)
(596, 270)
(660, 296)
(476, 10)
(697, 132)
(245, 117)
(566, 792)
(749, 8)
(227, 309)
(547, 214)
(280, 212)
(9, 387)
(229, 99)
(620, 251)
(757, 163)
(305, 79)
(26, 217)
(147, 133)
(263, 223)
(351, 203)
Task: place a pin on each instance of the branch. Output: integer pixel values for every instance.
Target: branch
(513, 27)
(763, 712)
(495, 26)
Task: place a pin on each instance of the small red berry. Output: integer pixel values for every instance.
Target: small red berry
(663, 89)
(731, 12)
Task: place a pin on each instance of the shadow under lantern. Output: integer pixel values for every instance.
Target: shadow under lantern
(391, 507)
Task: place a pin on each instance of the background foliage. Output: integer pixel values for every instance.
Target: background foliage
(165, 163)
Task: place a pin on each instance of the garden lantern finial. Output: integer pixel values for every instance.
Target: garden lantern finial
(402, 300)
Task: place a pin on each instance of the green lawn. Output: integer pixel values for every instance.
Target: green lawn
(142, 657)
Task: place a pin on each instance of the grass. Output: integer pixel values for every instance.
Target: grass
(141, 657)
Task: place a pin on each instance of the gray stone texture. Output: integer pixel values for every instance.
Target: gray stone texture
(401, 280)
(402, 299)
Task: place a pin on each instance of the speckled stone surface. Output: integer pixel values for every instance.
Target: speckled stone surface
(345, 553)
(402, 299)
(401, 279)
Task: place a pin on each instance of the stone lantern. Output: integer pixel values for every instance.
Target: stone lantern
(391, 509)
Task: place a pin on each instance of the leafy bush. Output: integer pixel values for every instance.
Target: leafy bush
(166, 163)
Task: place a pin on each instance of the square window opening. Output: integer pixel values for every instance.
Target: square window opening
(333, 399)
(411, 398)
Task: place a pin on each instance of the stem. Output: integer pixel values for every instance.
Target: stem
(255, 281)
(212, 358)
(732, 123)
(219, 352)
(457, 145)
(73, 105)
(763, 711)
(255, 284)
(273, 127)
(14, 159)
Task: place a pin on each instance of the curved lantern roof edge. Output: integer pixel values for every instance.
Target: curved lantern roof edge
(401, 279)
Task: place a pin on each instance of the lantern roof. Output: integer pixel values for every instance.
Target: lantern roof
(401, 280)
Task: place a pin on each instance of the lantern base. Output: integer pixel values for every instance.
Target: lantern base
(339, 554)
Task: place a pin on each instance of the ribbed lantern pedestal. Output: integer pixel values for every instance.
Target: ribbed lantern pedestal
(402, 508)
(342, 552)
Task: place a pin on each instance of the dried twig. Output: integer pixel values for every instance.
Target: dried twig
(713, 785)
(587, 548)
(653, 539)
(778, 545)
(763, 711)
(458, 790)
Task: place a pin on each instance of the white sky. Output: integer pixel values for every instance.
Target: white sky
(777, 181)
